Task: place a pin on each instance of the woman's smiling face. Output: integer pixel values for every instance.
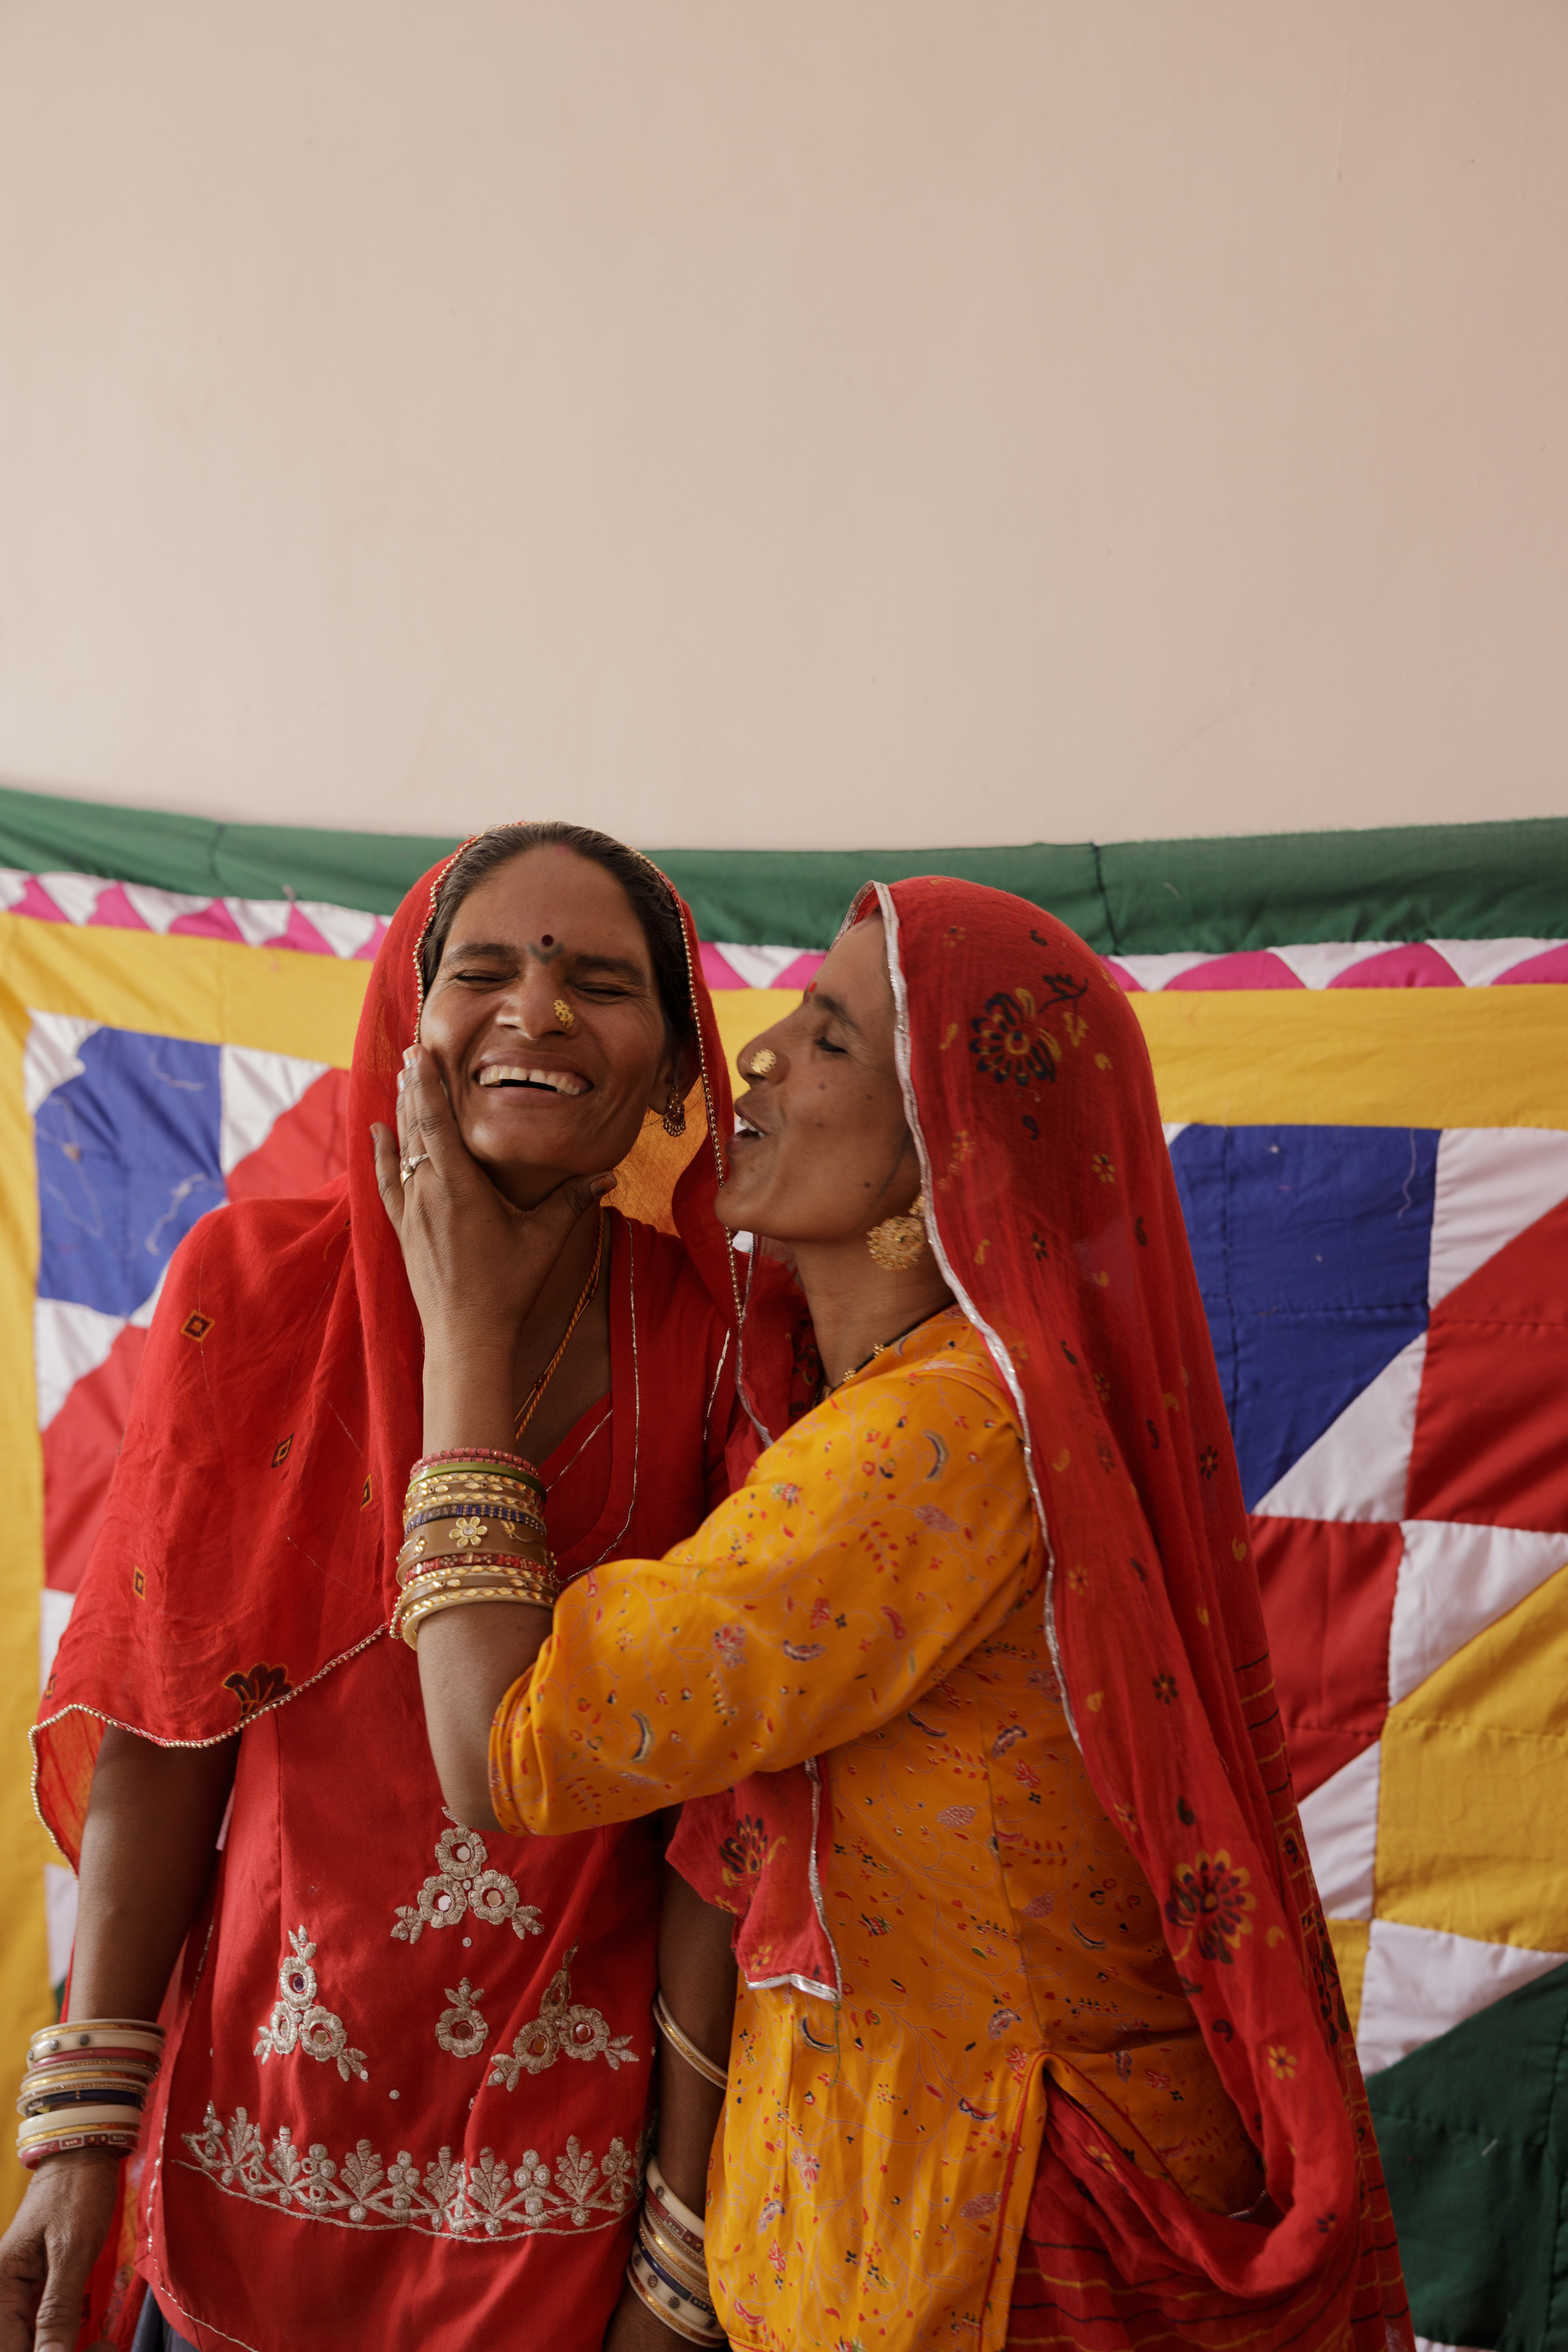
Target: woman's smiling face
(824, 1152)
(549, 933)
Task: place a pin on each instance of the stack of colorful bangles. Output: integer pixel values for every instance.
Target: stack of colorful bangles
(85, 2084)
(474, 1524)
(669, 2268)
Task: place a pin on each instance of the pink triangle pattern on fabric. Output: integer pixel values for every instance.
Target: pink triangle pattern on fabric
(36, 901)
(1550, 966)
(1417, 963)
(213, 922)
(1416, 966)
(300, 934)
(1248, 968)
(716, 970)
(108, 905)
(114, 910)
(801, 971)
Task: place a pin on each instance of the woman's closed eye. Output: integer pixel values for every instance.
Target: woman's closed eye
(482, 976)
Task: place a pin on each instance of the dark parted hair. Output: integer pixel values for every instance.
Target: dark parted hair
(652, 902)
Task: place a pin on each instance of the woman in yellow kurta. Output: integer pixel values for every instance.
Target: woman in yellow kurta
(873, 1593)
(1032, 1967)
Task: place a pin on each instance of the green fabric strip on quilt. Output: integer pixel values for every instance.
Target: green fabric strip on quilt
(1474, 2133)
(1461, 881)
(736, 894)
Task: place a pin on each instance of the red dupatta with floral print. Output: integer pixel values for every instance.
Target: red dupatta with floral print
(1054, 1212)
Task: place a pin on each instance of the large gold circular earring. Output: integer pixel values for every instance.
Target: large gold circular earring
(898, 1242)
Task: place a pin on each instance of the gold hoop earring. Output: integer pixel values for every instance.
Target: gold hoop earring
(898, 1242)
(564, 1014)
(675, 1114)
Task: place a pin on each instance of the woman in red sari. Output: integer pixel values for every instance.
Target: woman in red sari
(1038, 2037)
(407, 2067)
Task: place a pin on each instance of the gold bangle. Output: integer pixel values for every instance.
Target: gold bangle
(701, 2326)
(469, 1483)
(538, 1562)
(463, 1567)
(460, 1578)
(477, 1466)
(684, 2047)
(408, 1622)
(450, 1536)
(541, 1589)
(465, 1506)
(672, 2253)
(444, 1568)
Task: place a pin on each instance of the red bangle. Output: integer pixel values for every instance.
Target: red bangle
(527, 1471)
(121, 2143)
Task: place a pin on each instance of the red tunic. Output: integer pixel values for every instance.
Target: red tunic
(410, 2067)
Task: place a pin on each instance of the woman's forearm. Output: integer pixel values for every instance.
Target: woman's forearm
(697, 1977)
(468, 1658)
(147, 1853)
(781, 1628)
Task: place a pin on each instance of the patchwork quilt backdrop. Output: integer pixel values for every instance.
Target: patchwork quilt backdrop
(1362, 1047)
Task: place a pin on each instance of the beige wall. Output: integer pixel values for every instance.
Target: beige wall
(824, 422)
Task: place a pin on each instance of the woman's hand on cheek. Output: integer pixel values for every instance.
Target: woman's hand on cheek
(475, 1264)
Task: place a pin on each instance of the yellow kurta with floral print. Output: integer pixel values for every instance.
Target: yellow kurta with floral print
(872, 1596)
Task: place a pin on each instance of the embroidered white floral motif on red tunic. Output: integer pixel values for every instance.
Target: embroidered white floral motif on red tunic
(491, 2198)
(563, 2029)
(464, 1888)
(299, 2022)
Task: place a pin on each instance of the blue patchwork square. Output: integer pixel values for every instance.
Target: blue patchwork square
(128, 1155)
(1311, 1245)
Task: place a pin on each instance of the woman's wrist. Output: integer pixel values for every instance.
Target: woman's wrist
(467, 1398)
(459, 1354)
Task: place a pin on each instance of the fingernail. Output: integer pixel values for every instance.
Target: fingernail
(402, 1080)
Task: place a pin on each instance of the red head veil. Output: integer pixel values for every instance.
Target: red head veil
(253, 1522)
(1054, 1214)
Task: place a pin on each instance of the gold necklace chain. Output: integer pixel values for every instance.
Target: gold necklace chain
(530, 1404)
(828, 1386)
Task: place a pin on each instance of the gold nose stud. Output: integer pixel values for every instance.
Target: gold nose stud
(763, 1062)
(564, 1014)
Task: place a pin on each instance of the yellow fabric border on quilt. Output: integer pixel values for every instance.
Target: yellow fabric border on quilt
(1340, 1057)
(216, 994)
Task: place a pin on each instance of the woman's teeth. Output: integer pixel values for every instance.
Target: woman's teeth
(560, 1081)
